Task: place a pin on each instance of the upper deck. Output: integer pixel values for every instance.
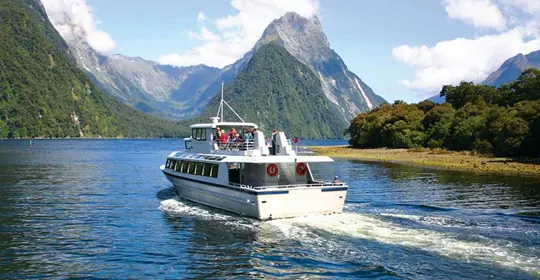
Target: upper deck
(236, 139)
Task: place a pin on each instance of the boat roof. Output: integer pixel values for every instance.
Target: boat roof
(250, 159)
(277, 159)
(224, 124)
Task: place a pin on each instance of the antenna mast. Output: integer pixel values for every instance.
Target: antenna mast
(221, 109)
(222, 100)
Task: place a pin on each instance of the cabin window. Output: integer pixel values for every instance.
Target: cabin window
(188, 144)
(198, 134)
(183, 166)
(194, 168)
(168, 164)
(198, 168)
(191, 167)
(214, 170)
(206, 169)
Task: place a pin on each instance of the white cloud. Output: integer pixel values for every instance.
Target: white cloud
(74, 18)
(471, 59)
(453, 61)
(205, 35)
(237, 33)
(201, 17)
(480, 13)
(527, 6)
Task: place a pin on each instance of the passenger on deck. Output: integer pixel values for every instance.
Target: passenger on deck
(232, 133)
(237, 140)
(274, 139)
(248, 136)
(223, 138)
(336, 180)
(217, 137)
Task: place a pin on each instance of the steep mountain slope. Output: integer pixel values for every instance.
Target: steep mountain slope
(512, 68)
(276, 90)
(161, 90)
(305, 39)
(44, 94)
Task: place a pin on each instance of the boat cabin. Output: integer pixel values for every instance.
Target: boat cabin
(236, 138)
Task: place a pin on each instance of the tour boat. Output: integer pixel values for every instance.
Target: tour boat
(250, 177)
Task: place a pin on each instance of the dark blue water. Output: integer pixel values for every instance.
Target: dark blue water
(102, 209)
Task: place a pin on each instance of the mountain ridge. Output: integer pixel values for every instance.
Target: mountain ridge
(45, 94)
(512, 68)
(276, 90)
(304, 38)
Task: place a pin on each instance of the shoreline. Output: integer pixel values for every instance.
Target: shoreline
(436, 159)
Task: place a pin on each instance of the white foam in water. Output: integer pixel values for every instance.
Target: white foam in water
(370, 228)
(176, 207)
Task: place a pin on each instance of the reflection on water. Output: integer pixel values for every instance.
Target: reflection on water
(101, 208)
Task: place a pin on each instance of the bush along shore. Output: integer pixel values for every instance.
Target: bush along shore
(502, 121)
(437, 158)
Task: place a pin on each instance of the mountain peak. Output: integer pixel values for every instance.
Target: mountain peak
(513, 67)
(303, 37)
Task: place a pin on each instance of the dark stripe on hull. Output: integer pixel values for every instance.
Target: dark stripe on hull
(224, 186)
(334, 189)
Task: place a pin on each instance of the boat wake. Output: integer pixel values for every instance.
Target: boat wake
(375, 228)
(177, 206)
(350, 235)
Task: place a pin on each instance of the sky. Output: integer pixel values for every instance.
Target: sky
(404, 50)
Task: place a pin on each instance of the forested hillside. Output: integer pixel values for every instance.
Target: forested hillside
(43, 94)
(503, 121)
(275, 90)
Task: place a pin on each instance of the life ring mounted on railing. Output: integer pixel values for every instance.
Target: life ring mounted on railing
(272, 170)
(301, 169)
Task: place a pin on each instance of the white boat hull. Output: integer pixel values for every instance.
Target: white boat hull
(265, 204)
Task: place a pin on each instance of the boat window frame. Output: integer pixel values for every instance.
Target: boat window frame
(191, 168)
(207, 168)
(198, 168)
(177, 166)
(188, 144)
(214, 171)
(198, 134)
(183, 166)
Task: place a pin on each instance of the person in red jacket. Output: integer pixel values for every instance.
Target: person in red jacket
(223, 138)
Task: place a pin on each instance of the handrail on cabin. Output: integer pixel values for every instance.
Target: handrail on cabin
(290, 186)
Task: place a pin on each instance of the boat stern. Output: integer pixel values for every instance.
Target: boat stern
(302, 201)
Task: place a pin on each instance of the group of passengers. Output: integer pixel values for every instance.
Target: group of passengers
(233, 138)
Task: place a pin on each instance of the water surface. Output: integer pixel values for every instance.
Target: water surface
(101, 208)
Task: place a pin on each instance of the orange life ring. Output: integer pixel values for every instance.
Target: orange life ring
(272, 170)
(301, 169)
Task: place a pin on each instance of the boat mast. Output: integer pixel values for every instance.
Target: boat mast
(221, 109)
(222, 102)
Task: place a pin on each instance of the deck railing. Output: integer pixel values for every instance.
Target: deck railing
(239, 145)
(289, 186)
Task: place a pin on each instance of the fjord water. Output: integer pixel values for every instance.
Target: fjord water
(101, 208)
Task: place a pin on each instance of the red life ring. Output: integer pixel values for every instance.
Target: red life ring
(272, 170)
(301, 169)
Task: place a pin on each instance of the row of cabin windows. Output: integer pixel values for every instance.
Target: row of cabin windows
(192, 167)
(198, 134)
